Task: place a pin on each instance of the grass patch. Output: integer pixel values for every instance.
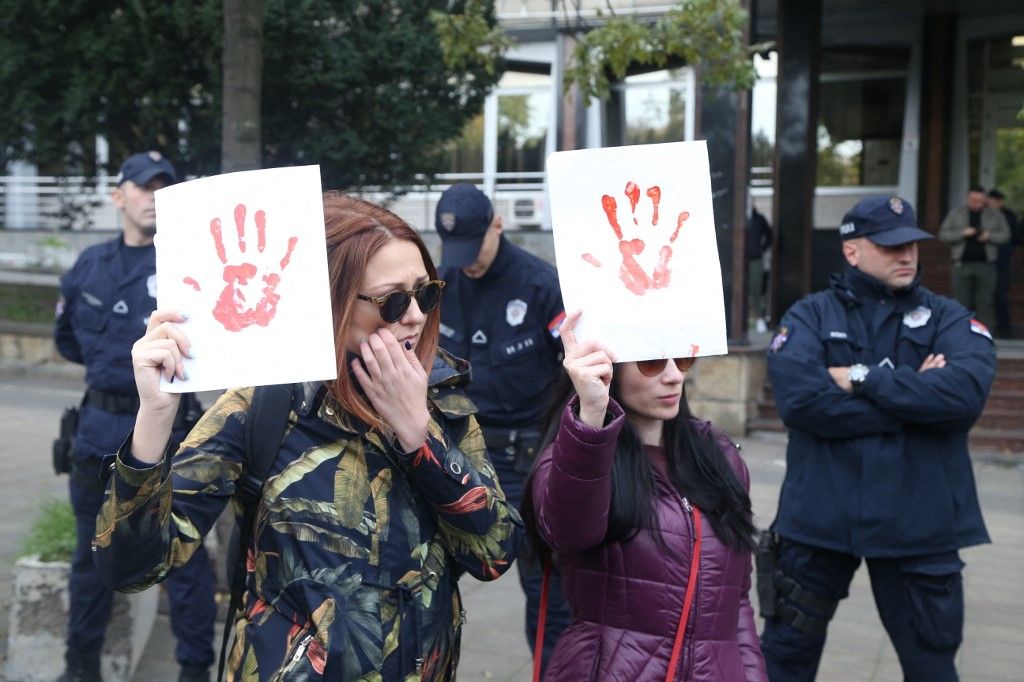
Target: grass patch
(52, 535)
(28, 303)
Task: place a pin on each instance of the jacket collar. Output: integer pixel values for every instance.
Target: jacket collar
(854, 288)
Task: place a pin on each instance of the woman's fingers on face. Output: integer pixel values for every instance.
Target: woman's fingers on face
(361, 375)
(370, 365)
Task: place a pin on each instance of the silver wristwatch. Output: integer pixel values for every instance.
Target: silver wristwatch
(856, 376)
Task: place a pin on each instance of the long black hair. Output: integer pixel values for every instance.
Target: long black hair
(697, 468)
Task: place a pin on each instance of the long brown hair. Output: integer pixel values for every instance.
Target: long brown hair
(356, 230)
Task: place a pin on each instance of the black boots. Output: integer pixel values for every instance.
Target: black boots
(81, 666)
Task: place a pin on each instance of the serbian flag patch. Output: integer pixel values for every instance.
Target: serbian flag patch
(979, 328)
(554, 324)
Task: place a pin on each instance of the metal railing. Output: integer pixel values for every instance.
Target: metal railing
(56, 203)
(77, 203)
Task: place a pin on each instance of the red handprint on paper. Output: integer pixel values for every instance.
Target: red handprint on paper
(632, 274)
(231, 309)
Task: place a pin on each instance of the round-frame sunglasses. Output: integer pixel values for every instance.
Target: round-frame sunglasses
(652, 368)
(392, 305)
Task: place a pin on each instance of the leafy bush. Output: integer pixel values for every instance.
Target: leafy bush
(52, 535)
(27, 303)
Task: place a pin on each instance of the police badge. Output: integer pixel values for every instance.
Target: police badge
(918, 317)
(515, 312)
(448, 220)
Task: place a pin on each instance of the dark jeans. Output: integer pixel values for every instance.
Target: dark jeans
(531, 574)
(1004, 322)
(920, 601)
(189, 588)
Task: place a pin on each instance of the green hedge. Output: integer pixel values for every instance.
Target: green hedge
(27, 303)
(52, 535)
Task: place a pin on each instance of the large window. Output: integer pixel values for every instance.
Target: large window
(652, 107)
(466, 152)
(995, 129)
(524, 114)
(510, 137)
(860, 124)
(762, 121)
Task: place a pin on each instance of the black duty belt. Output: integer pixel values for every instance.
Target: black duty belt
(115, 403)
(499, 438)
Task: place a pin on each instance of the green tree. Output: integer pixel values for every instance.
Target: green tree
(142, 74)
(364, 89)
(704, 32)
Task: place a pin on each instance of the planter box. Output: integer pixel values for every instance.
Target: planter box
(38, 625)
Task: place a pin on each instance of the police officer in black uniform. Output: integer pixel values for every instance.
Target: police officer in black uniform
(879, 381)
(501, 310)
(106, 299)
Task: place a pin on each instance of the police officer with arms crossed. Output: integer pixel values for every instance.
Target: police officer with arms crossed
(879, 381)
(106, 299)
(501, 310)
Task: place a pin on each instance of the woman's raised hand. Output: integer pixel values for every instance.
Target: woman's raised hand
(158, 353)
(396, 384)
(589, 365)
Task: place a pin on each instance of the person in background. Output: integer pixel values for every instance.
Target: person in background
(759, 240)
(975, 232)
(1004, 260)
(105, 303)
(648, 511)
(501, 311)
(380, 497)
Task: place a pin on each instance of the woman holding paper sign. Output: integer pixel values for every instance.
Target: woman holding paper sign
(381, 494)
(647, 511)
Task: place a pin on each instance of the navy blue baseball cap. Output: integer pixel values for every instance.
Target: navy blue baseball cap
(462, 217)
(143, 167)
(886, 221)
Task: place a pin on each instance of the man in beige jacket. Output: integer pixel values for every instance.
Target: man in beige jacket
(974, 233)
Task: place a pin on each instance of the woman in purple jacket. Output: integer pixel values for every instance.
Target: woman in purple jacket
(628, 491)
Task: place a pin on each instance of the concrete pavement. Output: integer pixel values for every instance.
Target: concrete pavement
(493, 646)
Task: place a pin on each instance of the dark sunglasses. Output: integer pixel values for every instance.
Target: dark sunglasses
(652, 368)
(393, 304)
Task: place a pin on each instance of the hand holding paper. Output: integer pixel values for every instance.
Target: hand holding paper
(635, 242)
(589, 366)
(157, 357)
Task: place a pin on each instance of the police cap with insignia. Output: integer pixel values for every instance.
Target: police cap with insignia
(886, 221)
(462, 217)
(143, 167)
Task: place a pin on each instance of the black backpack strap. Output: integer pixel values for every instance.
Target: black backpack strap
(265, 424)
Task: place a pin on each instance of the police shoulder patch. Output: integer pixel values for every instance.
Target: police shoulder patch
(779, 340)
(980, 329)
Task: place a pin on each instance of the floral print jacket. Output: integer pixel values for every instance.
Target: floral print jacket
(358, 548)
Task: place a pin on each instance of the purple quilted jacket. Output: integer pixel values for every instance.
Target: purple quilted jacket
(627, 598)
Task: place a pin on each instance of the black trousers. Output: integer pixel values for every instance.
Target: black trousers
(190, 588)
(531, 574)
(920, 601)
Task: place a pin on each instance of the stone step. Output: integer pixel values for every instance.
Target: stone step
(1007, 400)
(1001, 419)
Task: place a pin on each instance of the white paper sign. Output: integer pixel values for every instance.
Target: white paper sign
(635, 244)
(244, 255)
